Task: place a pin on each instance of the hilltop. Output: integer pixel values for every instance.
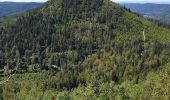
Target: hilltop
(83, 49)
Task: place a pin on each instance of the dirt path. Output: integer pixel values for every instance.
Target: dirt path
(144, 37)
(5, 81)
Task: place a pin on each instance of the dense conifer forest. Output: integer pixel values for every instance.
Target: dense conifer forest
(83, 50)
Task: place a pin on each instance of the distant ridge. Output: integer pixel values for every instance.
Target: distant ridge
(19, 2)
(156, 11)
(8, 7)
(145, 2)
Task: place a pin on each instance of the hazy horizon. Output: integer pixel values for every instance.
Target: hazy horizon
(118, 1)
(23, 0)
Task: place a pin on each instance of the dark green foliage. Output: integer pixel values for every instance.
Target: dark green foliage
(87, 49)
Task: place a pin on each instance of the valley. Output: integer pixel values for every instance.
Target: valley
(154, 11)
(10, 8)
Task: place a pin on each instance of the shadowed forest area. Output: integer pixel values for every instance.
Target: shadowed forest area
(83, 49)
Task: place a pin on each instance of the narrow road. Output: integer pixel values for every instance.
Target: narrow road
(5, 81)
(144, 37)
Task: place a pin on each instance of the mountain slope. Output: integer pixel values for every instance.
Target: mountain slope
(8, 8)
(156, 11)
(83, 49)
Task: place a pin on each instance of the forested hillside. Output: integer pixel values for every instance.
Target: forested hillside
(83, 49)
(8, 8)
